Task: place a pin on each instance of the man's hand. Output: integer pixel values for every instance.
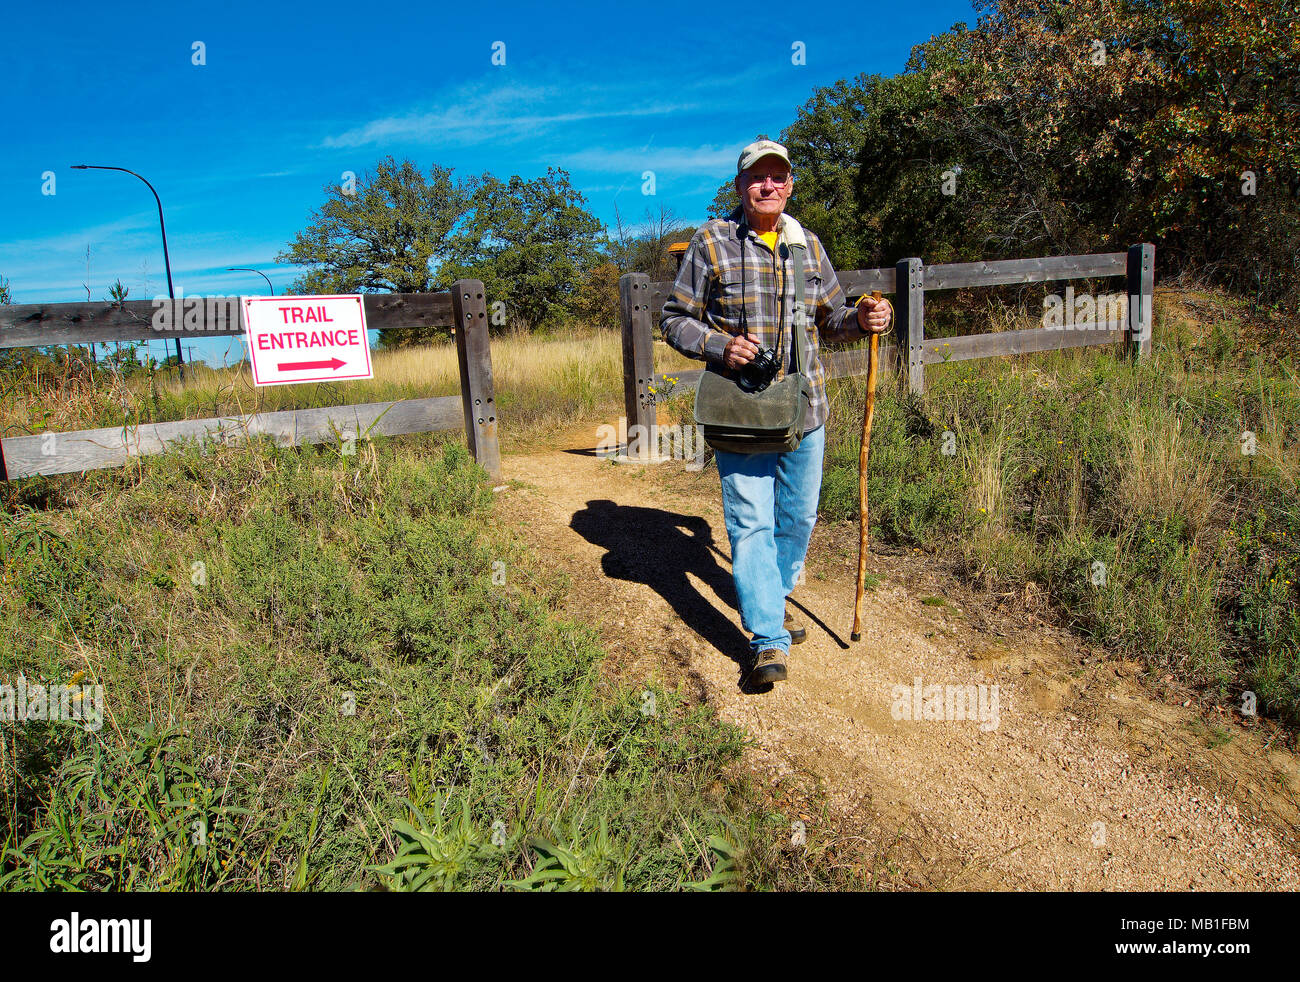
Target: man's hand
(740, 350)
(874, 315)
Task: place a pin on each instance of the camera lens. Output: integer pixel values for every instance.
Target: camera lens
(757, 374)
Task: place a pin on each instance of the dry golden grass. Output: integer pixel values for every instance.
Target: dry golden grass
(986, 465)
(1163, 472)
(545, 385)
(1271, 439)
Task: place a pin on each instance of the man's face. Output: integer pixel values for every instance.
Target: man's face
(759, 189)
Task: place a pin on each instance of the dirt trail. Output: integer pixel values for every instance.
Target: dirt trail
(1087, 780)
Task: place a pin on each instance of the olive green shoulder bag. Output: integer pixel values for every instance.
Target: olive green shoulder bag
(769, 421)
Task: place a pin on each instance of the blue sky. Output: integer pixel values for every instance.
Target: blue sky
(291, 96)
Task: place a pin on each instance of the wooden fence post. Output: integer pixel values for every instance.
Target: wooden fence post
(1141, 289)
(909, 291)
(469, 314)
(638, 362)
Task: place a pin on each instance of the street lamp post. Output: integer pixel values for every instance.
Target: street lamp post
(171, 292)
(245, 269)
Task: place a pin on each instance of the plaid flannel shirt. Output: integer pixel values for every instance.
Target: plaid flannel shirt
(703, 311)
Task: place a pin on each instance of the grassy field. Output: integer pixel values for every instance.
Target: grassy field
(1155, 503)
(331, 672)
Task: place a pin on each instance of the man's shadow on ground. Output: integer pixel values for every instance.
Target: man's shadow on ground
(659, 548)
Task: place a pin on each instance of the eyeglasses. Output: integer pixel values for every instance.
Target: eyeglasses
(778, 179)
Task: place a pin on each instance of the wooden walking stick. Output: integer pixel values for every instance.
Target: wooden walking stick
(863, 451)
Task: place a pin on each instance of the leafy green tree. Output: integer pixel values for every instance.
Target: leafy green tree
(1065, 127)
(597, 298)
(1144, 121)
(725, 201)
(529, 242)
(389, 234)
(403, 232)
(870, 158)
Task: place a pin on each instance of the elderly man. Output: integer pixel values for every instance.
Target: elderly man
(769, 500)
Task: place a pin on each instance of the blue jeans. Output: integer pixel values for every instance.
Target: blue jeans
(769, 501)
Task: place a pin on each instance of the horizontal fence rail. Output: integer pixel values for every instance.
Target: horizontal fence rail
(1004, 272)
(114, 446)
(464, 308)
(37, 325)
(909, 281)
(940, 350)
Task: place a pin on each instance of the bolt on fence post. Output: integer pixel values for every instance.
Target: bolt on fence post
(909, 290)
(1141, 289)
(469, 312)
(638, 359)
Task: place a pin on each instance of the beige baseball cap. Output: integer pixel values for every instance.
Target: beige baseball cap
(758, 150)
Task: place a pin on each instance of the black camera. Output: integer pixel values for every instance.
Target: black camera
(757, 374)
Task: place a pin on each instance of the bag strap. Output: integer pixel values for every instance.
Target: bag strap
(800, 338)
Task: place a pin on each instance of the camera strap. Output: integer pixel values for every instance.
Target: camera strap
(797, 247)
(744, 300)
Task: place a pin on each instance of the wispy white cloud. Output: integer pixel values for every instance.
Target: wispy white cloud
(667, 160)
(478, 113)
(128, 227)
(52, 269)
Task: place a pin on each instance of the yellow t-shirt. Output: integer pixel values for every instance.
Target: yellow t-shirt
(770, 239)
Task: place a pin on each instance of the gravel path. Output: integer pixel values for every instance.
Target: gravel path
(1064, 771)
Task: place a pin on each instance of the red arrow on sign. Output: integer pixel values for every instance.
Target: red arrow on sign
(302, 366)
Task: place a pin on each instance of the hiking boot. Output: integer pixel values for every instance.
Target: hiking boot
(797, 633)
(769, 666)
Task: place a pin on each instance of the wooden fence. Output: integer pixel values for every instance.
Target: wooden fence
(463, 307)
(908, 281)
